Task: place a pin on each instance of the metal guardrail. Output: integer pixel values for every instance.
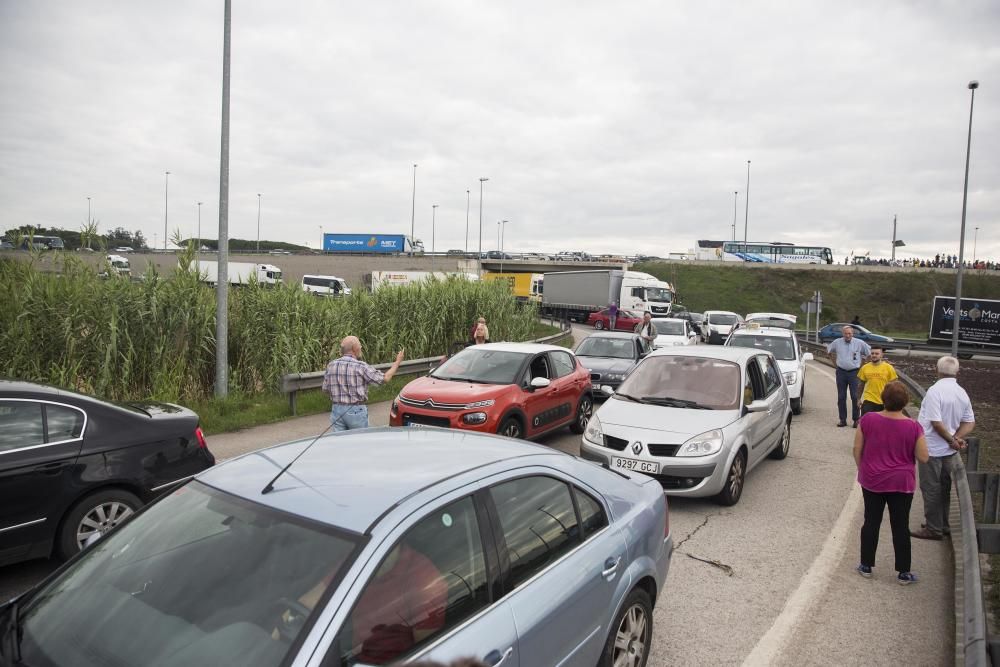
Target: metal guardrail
(293, 383)
(916, 344)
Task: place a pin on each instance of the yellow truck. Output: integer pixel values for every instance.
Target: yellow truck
(524, 286)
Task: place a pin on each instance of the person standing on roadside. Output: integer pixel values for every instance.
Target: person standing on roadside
(612, 314)
(874, 376)
(946, 417)
(346, 382)
(646, 328)
(848, 354)
(886, 447)
(481, 334)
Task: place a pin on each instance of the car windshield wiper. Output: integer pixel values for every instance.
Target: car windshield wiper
(671, 402)
(627, 397)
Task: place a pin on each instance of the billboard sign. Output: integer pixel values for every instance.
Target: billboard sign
(379, 243)
(979, 323)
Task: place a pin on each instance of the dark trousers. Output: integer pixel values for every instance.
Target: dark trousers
(847, 380)
(871, 406)
(899, 521)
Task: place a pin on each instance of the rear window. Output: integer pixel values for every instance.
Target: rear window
(723, 319)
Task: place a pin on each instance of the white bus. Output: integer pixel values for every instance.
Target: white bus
(776, 253)
(325, 285)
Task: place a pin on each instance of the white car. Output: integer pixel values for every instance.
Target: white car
(671, 331)
(695, 418)
(786, 350)
(718, 324)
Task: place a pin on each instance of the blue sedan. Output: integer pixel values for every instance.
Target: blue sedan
(834, 331)
(366, 548)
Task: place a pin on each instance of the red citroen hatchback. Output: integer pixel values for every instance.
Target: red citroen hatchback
(520, 390)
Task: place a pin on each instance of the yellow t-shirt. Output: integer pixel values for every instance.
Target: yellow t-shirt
(876, 377)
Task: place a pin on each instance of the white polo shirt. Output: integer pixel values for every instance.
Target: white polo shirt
(946, 402)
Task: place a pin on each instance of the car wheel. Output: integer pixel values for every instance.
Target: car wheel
(599, 324)
(731, 492)
(631, 632)
(511, 428)
(781, 451)
(98, 512)
(797, 406)
(584, 410)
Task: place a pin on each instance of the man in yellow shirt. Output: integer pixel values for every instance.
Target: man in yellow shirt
(875, 375)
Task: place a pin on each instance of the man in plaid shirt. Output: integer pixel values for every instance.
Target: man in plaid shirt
(346, 382)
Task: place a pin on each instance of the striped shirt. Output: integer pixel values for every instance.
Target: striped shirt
(346, 380)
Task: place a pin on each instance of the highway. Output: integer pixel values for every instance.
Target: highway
(769, 581)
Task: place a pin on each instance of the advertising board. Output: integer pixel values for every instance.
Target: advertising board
(364, 243)
(979, 322)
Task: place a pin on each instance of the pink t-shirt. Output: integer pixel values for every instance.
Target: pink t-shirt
(888, 463)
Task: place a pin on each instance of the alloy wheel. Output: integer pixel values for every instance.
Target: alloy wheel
(101, 519)
(512, 430)
(584, 412)
(735, 481)
(630, 641)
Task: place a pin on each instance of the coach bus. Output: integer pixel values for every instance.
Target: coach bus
(39, 242)
(777, 253)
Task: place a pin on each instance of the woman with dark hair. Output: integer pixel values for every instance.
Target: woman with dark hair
(886, 448)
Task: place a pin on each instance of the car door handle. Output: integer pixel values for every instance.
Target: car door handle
(49, 468)
(495, 658)
(611, 566)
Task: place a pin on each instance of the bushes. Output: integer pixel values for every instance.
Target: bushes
(155, 338)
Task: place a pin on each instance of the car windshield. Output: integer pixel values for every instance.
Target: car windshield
(669, 327)
(704, 382)
(722, 318)
(481, 364)
(605, 346)
(780, 347)
(200, 578)
(660, 294)
(779, 322)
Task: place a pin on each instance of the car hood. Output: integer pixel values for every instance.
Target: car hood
(670, 339)
(451, 391)
(722, 328)
(787, 365)
(625, 419)
(606, 364)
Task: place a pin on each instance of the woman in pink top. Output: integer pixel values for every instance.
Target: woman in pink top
(886, 448)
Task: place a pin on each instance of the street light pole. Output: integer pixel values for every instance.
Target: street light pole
(961, 240)
(434, 209)
(746, 219)
(258, 223)
(88, 212)
(222, 288)
(894, 238)
(975, 240)
(468, 201)
(736, 196)
(166, 188)
(481, 181)
(413, 210)
(199, 227)
(503, 230)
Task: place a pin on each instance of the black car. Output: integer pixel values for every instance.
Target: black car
(609, 356)
(72, 465)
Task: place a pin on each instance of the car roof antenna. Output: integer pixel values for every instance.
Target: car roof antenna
(270, 485)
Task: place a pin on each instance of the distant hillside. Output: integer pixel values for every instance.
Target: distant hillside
(889, 301)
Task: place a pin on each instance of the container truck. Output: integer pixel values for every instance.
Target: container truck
(576, 294)
(383, 244)
(240, 273)
(378, 279)
(524, 286)
(978, 326)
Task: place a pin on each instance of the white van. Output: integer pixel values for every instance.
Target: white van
(325, 285)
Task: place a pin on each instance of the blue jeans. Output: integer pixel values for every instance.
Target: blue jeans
(847, 380)
(348, 417)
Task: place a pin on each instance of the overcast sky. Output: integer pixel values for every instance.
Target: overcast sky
(604, 127)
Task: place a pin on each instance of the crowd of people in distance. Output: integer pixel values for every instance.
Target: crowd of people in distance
(939, 262)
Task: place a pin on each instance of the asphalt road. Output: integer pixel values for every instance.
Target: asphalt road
(769, 581)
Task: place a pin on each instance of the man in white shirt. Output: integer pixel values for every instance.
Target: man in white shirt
(946, 417)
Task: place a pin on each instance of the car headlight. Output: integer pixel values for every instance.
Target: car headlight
(791, 377)
(594, 433)
(474, 418)
(614, 376)
(394, 408)
(702, 444)
(481, 404)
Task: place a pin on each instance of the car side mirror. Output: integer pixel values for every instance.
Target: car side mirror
(808, 356)
(607, 390)
(757, 406)
(539, 383)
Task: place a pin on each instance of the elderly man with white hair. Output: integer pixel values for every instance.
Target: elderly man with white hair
(946, 417)
(346, 382)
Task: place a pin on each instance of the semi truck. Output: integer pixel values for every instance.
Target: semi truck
(524, 286)
(379, 279)
(383, 244)
(240, 273)
(978, 324)
(576, 294)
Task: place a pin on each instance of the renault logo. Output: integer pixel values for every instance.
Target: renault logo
(637, 447)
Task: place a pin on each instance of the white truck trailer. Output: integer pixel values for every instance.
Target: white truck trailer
(576, 294)
(240, 273)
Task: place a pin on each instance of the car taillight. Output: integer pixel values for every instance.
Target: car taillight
(201, 438)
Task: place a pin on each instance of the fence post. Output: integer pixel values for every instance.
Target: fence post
(973, 462)
(990, 495)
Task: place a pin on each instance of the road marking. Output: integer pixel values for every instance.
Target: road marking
(813, 583)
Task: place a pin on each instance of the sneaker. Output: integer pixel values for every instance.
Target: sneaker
(906, 578)
(841, 424)
(855, 425)
(864, 570)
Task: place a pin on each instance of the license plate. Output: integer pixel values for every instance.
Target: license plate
(411, 424)
(647, 467)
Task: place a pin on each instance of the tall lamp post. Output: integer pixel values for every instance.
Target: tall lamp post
(961, 240)
(481, 181)
(975, 240)
(503, 229)
(468, 201)
(258, 223)
(434, 209)
(166, 188)
(746, 218)
(413, 210)
(199, 227)
(89, 230)
(736, 196)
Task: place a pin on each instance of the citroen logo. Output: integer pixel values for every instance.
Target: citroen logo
(429, 402)
(637, 447)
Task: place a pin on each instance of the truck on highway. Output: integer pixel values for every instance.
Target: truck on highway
(383, 244)
(524, 286)
(325, 285)
(576, 294)
(118, 265)
(240, 273)
(378, 279)
(978, 324)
